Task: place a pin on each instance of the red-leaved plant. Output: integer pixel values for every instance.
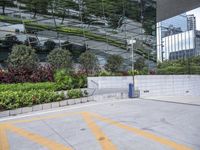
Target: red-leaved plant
(21, 75)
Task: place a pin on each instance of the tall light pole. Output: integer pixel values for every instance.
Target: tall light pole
(132, 42)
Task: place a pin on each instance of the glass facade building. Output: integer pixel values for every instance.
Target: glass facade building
(175, 40)
(178, 42)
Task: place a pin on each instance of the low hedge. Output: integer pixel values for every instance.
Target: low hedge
(77, 81)
(28, 87)
(17, 99)
(14, 96)
(12, 100)
(75, 93)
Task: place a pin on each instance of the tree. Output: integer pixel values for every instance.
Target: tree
(60, 59)
(89, 62)
(33, 42)
(114, 63)
(148, 8)
(4, 3)
(11, 40)
(23, 57)
(37, 6)
(114, 11)
(140, 64)
(67, 45)
(49, 45)
(63, 7)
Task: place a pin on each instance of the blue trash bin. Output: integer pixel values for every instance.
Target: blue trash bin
(131, 91)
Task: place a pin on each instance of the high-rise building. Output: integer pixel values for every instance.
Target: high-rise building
(191, 22)
(177, 38)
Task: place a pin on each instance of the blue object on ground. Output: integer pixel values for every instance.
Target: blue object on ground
(131, 91)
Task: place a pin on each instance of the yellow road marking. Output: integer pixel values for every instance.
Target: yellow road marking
(101, 137)
(50, 144)
(3, 138)
(104, 141)
(145, 134)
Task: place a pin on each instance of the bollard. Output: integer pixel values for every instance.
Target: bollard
(131, 91)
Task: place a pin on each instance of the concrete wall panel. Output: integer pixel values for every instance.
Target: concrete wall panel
(152, 85)
(168, 85)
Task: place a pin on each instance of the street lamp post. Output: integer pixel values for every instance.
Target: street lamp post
(132, 42)
(132, 54)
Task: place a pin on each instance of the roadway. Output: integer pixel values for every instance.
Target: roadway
(108, 125)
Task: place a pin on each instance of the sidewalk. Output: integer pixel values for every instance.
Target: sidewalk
(192, 100)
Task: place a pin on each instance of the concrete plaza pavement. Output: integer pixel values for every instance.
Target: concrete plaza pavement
(112, 125)
(191, 100)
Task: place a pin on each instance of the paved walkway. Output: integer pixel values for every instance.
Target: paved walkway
(191, 100)
(115, 125)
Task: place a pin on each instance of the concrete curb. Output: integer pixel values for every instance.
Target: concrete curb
(46, 106)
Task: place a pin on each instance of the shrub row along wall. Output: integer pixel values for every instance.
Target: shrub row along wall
(152, 85)
(19, 95)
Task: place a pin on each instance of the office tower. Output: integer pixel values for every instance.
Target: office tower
(191, 22)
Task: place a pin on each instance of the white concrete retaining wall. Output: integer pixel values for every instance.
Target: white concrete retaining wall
(109, 82)
(168, 85)
(152, 85)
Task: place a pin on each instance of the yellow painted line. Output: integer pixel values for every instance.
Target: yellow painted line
(50, 144)
(143, 133)
(101, 137)
(44, 118)
(3, 138)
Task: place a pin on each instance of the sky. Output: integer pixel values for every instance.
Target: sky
(196, 12)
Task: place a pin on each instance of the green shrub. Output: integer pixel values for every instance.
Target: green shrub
(135, 72)
(13, 100)
(79, 81)
(66, 81)
(139, 64)
(144, 71)
(89, 62)
(105, 73)
(28, 86)
(75, 93)
(180, 66)
(23, 57)
(60, 59)
(114, 63)
(49, 45)
(63, 80)
(172, 70)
